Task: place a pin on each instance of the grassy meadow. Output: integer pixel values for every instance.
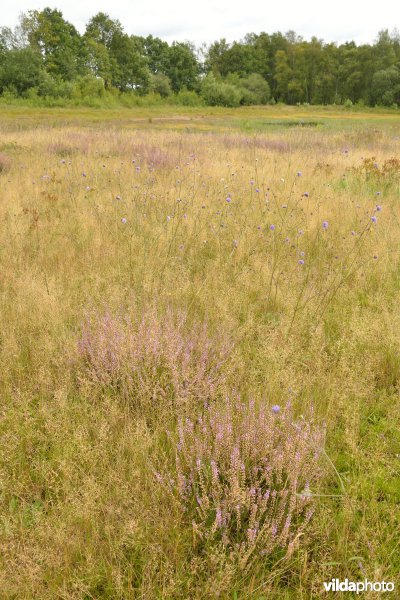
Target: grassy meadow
(200, 352)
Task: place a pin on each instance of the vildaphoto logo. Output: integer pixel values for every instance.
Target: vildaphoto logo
(335, 585)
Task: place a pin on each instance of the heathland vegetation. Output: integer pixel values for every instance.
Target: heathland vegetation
(199, 352)
(45, 60)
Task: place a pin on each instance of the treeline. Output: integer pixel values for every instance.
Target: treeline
(45, 57)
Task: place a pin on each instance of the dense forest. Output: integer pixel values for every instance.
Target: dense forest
(45, 57)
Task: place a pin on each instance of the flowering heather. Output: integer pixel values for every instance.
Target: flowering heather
(5, 163)
(154, 359)
(239, 473)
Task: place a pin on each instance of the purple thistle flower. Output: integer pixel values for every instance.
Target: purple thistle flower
(325, 224)
(301, 262)
(299, 173)
(229, 199)
(374, 219)
(276, 408)
(272, 227)
(123, 220)
(378, 208)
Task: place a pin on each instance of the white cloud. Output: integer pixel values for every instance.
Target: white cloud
(206, 21)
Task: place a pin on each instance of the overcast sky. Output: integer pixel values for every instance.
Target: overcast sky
(209, 20)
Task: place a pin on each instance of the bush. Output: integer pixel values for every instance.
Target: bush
(89, 87)
(50, 87)
(155, 361)
(161, 84)
(242, 475)
(5, 163)
(255, 89)
(188, 98)
(218, 93)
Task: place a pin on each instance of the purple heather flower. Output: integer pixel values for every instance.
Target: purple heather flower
(374, 219)
(325, 224)
(276, 408)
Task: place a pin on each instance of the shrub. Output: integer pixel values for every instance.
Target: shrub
(89, 87)
(152, 361)
(188, 98)
(161, 84)
(218, 93)
(52, 87)
(5, 163)
(243, 475)
(255, 89)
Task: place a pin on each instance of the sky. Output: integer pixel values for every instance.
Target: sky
(210, 20)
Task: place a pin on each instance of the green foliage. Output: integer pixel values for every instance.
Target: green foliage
(161, 84)
(257, 90)
(19, 70)
(385, 87)
(55, 39)
(188, 98)
(260, 69)
(181, 66)
(218, 93)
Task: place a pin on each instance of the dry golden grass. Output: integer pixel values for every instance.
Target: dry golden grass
(81, 514)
